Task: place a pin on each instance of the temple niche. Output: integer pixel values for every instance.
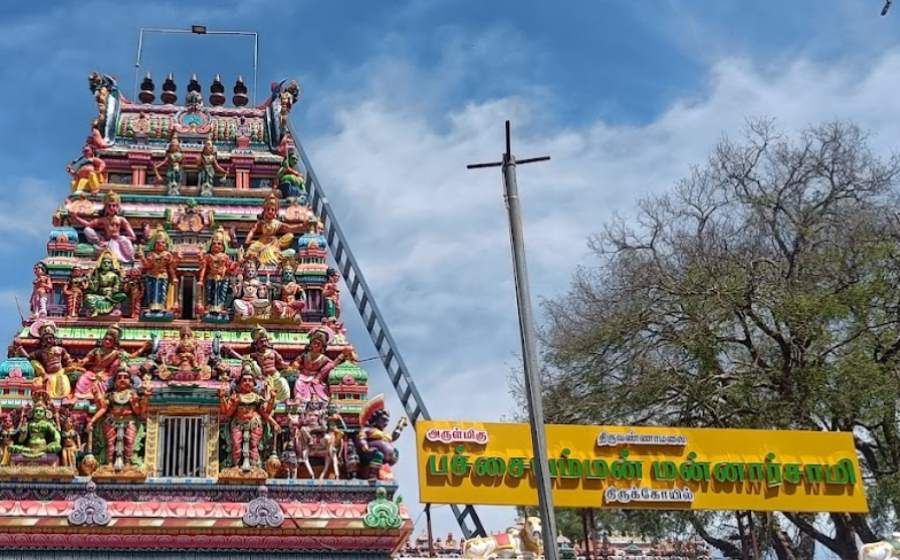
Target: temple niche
(184, 341)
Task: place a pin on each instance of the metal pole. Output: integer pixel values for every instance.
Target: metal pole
(428, 525)
(529, 350)
(587, 535)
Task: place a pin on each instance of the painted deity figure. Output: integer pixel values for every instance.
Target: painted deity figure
(186, 361)
(313, 367)
(104, 293)
(270, 364)
(293, 298)
(375, 444)
(209, 164)
(124, 408)
(51, 362)
(74, 292)
(41, 288)
(134, 287)
(88, 172)
(289, 179)
(174, 164)
(251, 299)
(269, 235)
(101, 364)
(331, 293)
(39, 439)
(71, 443)
(8, 434)
(215, 270)
(249, 413)
(110, 230)
(158, 273)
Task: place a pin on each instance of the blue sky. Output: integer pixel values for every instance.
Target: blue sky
(399, 96)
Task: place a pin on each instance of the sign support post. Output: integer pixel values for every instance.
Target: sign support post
(529, 343)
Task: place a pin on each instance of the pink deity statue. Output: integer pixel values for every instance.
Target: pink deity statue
(313, 367)
(124, 409)
(110, 230)
(249, 413)
(41, 289)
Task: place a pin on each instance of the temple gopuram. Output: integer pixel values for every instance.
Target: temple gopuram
(182, 385)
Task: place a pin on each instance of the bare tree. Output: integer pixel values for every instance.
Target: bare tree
(763, 292)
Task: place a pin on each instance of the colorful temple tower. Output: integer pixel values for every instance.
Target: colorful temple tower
(183, 381)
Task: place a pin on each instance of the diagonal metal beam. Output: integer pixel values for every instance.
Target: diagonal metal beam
(398, 373)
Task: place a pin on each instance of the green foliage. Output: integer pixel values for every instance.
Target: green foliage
(762, 293)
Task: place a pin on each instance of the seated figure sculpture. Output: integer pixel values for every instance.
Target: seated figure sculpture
(110, 230)
(313, 367)
(39, 439)
(105, 293)
(251, 297)
(101, 364)
(88, 171)
(270, 237)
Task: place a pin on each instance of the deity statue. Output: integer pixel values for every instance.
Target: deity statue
(74, 291)
(124, 408)
(101, 363)
(104, 293)
(293, 298)
(249, 412)
(209, 164)
(313, 367)
(134, 287)
(331, 293)
(287, 92)
(186, 362)
(88, 172)
(173, 160)
(71, 442)
(269, 235)
(158, 273)
(8, 434)
(335, 427)
(39, 438)
(251, 297)
(117, 233)
(270, 364)
(290, 181)
(51, 361)
(376, 446)
(101, 85)
(191, 218)
(215, 270)
(41, 288)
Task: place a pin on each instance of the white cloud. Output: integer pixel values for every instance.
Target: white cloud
(432, 236)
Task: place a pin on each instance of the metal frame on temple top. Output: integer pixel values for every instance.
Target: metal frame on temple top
(194, 30)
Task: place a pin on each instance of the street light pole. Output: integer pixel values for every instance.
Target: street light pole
(529, 343)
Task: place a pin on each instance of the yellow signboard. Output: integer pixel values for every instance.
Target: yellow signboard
(641, 467)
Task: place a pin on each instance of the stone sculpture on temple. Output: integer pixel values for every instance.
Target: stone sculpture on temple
(249, 413)
(173, 161)
(375, 444)
(270, 237)
(209, 164)
(88, 172)
(216, 267)
(74, 290)
(313, 367)
(41, 288)
(123, 409)
(105, 287)
(159, 277)
(110, 230)
(51, 362)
